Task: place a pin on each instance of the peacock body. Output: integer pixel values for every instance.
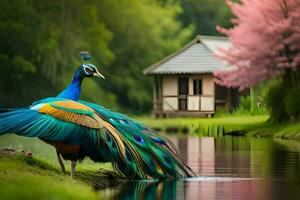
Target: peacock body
(79, 129)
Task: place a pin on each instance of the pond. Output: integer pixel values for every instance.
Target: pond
(228, 168)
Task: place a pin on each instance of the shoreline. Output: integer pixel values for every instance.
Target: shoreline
(288, 130)
(235, 125)
(216, 126)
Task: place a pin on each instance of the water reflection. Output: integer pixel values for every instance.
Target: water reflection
(228, 168)
(148, 190)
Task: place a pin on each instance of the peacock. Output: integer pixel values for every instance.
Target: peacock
(79, 129)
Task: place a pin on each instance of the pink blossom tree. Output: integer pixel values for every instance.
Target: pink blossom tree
(265, 42)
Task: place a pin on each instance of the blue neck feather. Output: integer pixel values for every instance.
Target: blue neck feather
(73, 90)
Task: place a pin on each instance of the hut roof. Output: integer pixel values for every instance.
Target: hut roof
(196, 57)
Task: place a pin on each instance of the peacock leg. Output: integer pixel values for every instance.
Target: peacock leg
(60, 161)
(73, 165)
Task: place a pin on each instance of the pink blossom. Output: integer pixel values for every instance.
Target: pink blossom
(265, 41)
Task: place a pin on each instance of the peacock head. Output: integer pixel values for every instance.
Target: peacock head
(89, 70)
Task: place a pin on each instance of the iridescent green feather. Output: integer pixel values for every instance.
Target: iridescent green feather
(158, 154)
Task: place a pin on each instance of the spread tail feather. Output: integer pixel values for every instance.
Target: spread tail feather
(149, 156)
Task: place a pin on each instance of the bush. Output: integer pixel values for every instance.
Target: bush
(221, 111)
(275, 102)
(292, 103)
(245, 103)
(250, 105)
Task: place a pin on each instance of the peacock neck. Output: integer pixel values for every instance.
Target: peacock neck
(73, 90)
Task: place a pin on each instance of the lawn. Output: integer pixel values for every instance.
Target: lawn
(24, 177)
(19, 180)
(40, 177)
(44, 151)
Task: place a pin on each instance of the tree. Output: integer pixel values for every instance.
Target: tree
(205, 15)
(265, 42)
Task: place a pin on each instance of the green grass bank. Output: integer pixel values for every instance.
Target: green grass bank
(23, 177)
(207, 126)
(290, 130)
(253, 126)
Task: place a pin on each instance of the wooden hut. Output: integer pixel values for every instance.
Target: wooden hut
(183, 81)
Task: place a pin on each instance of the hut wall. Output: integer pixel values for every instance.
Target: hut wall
(170, 87)
(208, 86)
(195, 102)
(170, 92)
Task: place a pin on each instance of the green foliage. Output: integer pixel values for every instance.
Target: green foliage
(249, 105)
(144, 32)
(40, 42)
(282, 100)
(275, 102)
(292, 103)
(206, 15)
(245, 103)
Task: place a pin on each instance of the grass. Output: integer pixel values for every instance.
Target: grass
(40, 177)
(224, 124)
(284, 130)
(255, 126)
(29, 178)
(44, 151)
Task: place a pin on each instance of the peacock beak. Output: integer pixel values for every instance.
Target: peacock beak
(99, 75)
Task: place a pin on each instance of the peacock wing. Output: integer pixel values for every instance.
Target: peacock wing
(63, 120)
(56, 120)
(71, 111)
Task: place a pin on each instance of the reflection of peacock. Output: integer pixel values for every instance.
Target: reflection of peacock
(78, 129)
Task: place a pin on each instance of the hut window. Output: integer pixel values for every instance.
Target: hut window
(197, 87)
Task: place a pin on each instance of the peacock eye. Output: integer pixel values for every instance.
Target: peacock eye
(88, 70)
